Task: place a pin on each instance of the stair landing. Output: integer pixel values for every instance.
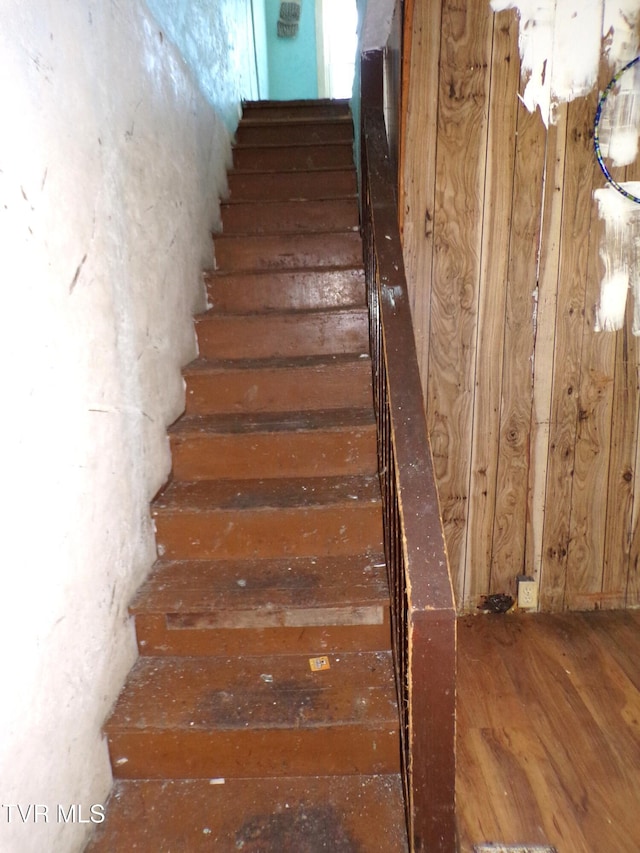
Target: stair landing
(261, 714)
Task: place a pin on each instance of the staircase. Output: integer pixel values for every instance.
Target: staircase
(261, 714)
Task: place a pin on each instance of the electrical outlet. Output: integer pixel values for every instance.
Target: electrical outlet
(527, 593)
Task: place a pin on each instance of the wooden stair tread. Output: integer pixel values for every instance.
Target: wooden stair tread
(311, 184)
(249, 146)
(275, 692)
(313, 170)
(278, 216)
(282, 333)
(270, 445)
(288, 316)
(209, 365)
(293, 157)
(212, 275)
(278, 384)
(270, 121)
(336, 129)
(340, 814)
(278, 290)
(331, 419)
(199, 586)
(288, 250)
(275, 494)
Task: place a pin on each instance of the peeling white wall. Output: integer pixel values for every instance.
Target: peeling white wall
(560, 44)
(620, 255)
(111, 163)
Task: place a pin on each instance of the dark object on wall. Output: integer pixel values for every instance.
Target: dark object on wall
(289, 19)
(498, 603)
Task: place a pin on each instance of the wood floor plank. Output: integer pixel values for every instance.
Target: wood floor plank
(549, 731)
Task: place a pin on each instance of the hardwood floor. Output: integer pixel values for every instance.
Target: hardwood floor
(548, 717)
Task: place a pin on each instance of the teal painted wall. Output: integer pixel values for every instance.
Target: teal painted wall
(293, 71)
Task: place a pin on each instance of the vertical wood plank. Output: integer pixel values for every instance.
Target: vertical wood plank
(622, 466)
(624, 469)
(510, 520)
(571, 288)
(593, 429)
(408, 8)
(460, 168)
(498, 196)
(544, 341)
(420, 84)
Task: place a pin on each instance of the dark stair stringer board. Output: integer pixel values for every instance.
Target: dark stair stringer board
(261, 714)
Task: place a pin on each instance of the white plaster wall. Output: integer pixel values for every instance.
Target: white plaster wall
(376, 23)
(216, 38)
(111, 164)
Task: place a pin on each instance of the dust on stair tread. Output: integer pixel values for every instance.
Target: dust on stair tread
(326, 419)
(341, 814)
(250, 494)
(298, 582)
(280, 691)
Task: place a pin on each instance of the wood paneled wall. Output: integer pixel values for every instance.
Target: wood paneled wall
(533, 416)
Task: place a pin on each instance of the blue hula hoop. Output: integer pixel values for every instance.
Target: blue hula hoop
(596, 132)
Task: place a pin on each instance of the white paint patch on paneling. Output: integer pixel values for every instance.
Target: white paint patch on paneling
(551, 30)
(620, 254)
(620, 120)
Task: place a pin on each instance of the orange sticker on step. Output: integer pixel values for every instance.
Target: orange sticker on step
(318, 664)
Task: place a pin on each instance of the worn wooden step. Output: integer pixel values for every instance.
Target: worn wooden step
(231, 519)
(273, 606)
(296, 110)
(285, 158)
(288, 251)
(314, 184)
(284, 815)
(266, 445)
(286, 290)
(282, 335)
(278, 385)
(270, 217)
(258, 132)
(242, 717)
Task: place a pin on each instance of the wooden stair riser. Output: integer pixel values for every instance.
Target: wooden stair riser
(275, 158)
(282, 335)
(290, 290)
(172, 635)
(264, 252)
(334, 750)
(272, 217)
(279, 389)
(262, 607)
(321, 183)
(157, 636)
(268, 532)
(278, 111)
(287, 133)
(328, 452)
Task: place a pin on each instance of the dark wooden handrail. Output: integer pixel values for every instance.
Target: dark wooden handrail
(423, 610)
